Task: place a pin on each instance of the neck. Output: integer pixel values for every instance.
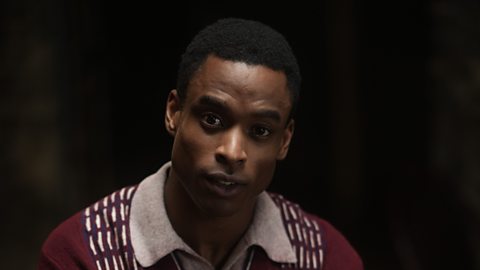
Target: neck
(212, 237)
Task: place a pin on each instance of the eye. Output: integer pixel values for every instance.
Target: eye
(261, 132)
(211, 120)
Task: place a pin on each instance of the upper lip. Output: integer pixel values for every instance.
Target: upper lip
(221, 176)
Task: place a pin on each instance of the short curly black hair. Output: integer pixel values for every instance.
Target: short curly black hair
(241, 40)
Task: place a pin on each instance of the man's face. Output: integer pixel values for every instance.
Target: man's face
(229, 133)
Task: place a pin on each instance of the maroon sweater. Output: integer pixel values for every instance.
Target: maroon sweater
(99, 238)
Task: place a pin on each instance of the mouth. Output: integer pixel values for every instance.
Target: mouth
(224, 185)
(225, 179)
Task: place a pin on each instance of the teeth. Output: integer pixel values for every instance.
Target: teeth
(226, 183)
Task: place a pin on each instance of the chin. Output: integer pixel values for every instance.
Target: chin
(220, 210)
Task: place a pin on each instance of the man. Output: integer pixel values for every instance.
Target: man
(231, 118)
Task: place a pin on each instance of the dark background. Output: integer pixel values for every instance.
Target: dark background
(387, 141)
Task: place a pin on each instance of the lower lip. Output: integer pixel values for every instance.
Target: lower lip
(222, 190)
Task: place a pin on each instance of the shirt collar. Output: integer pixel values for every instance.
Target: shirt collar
(267, 231)
(153, 236)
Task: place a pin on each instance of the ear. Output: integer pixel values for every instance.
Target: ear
(287, 137)
(172, 112)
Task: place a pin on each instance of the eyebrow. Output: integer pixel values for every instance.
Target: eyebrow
(211, 101)
(266, 113)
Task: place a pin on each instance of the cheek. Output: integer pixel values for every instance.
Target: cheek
(190, 146)
(264, 170)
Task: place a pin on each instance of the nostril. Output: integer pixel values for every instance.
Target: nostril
(221, 159)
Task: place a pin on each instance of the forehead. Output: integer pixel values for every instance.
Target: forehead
(249, 85)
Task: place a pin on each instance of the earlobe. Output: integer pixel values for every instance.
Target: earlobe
(287, 137)
(171, 112)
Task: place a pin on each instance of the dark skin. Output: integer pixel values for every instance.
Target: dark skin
(229, 133)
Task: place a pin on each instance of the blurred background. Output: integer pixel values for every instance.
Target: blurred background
(387, 144)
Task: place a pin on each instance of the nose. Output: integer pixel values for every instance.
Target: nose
(231, 150)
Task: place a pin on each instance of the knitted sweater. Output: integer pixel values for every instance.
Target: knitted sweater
(99, 238)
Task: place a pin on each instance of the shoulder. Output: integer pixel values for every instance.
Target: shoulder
(107, 230)
(91, 236)
(65, 247)
(315, 239)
